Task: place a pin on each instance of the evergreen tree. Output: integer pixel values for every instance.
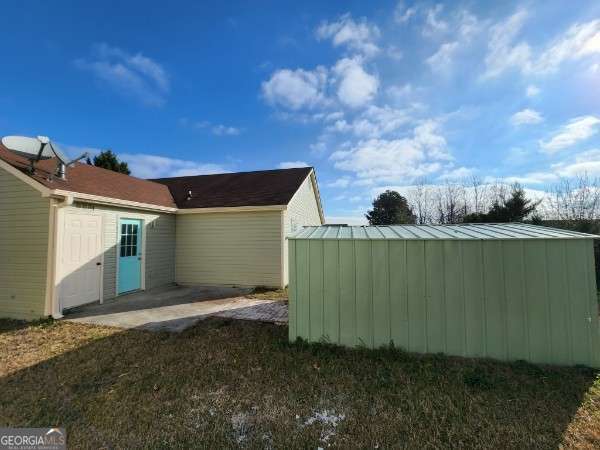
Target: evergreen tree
(513, 209)
(390, 208)
(108, 160)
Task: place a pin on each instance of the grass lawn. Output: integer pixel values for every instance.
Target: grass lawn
(232, 383)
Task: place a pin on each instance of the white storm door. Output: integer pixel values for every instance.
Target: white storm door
(81, 260)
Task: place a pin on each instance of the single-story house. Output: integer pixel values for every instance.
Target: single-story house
(98, 234)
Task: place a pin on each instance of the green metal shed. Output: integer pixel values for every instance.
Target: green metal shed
(504, 291)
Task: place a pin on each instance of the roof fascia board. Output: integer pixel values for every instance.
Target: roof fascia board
(26, 179)
(232, 209)
(313, 177)
(111, 201)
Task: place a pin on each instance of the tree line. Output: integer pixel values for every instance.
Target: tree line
(572, 203)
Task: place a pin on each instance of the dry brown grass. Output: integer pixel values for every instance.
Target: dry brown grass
(265, 293)
(229, 383)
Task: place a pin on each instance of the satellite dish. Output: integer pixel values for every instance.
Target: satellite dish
(38, 148)
(27, 147)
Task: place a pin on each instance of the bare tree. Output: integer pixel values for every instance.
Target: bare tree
(421, 202)
(450, 201)
(574, 199)
(479, 193)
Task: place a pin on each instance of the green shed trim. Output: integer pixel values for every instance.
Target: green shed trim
(488, 231)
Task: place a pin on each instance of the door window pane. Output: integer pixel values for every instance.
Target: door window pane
(129, 240)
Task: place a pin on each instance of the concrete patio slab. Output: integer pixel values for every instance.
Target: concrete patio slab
(176, 308)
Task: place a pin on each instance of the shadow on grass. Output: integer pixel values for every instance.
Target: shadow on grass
(7, 325)
(226, 383)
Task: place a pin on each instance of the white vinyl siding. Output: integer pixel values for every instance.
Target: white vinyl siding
(237, 248)
(24, 219)
(303, 210)
(159, 253)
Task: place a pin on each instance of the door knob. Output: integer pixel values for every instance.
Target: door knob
(98, 263)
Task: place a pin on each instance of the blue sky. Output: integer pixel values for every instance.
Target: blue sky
(373, 94)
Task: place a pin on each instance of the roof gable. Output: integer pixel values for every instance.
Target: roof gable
(260, 188)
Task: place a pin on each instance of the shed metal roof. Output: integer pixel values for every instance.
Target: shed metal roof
(487, 231)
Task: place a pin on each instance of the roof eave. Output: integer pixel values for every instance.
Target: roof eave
(98, 199)
(232, 209)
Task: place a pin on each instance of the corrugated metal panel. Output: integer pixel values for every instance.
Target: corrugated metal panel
(501, 296)
(500, 231)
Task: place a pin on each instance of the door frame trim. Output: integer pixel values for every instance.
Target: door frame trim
(142, 220)
(60, 236)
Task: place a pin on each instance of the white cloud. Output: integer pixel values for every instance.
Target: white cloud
(327, 116)
(400, 92)
(74, 151)
(517, 156)
(403, 14)
(151, 166)
(216, 129)
(433, 24)
(374, 122)
(356, 87)
(292, 164)
(342, 182)
(502, 53)
(526, 117)
(224, 130)
(576, 130)
(441, 60)
(581, 39)
(532, 178)
(394, 53)
(296, 89)
(460, 173)
(319, 147)
(468, 25)
(587, 162)
(463, 26)
(397, 159)
(532, 91)
(584, 163)
(133, 75)
(357, 36)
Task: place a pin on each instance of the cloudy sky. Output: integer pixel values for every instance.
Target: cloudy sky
(372, 94)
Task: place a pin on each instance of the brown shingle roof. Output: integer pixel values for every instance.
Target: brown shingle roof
(260, 188)
(93, 180)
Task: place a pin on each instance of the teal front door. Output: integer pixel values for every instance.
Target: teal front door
(130, 255)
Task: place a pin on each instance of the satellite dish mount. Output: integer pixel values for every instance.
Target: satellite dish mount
(38, 148)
